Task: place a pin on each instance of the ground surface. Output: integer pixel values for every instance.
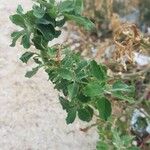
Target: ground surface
(31, 117)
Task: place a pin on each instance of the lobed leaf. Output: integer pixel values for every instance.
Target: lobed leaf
(38, 12)
(18, 20)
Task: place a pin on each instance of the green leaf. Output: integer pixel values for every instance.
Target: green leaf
(60, 23)
(66, 6)
(122, 91)
(43, 21)
(83, 98)
(26, 41)
(39, 42)
(85, 114)
(122, 87)
(52, 2)
(65, 103)
(15, 36)
(31, 73)
(73, 90)
(94, 89)
(26, 56)
(38, 11)
(20, 10)
(81, 75)
(97, 71)
(52, 52)
(82, 66)
(71, 115)
(102, 146)
(104, 108)
(65, 74)
(123, 96)
(57, 34)
(53, 11)
(30, 20)
(18, 20)
(47, 31)
(37, 60)
(79, 7)
(83, 21)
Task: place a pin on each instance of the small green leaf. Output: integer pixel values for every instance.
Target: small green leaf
(82, 65)
(66, 6)
(20, 10)
(30, 20)
(31, 73)
(79, 7)
(83, 98)
(43, 21)
(53, 11)
(94, 89)
(123, 96)
(57, 34)
(102, 146)
(51, 51)
(71, 115)
(37, 61)
(85, 114)
(38, 11)
(104, 108)
(65, 74)
(18, 20)
(65, 103)
(47, 31)
(97, 71)
(81, 75)
(60, 23)
(39, 42)
(83, 21)
(26, 41)
(123, 91)
(26, 56)
(15, 36)
(73, 90)
(122, 87)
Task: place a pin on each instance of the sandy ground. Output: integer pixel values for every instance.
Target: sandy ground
(31, 117)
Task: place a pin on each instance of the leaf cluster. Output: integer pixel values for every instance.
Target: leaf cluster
(84, 84)
(114, 136)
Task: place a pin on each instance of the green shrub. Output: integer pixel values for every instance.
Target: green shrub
(85, 85)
